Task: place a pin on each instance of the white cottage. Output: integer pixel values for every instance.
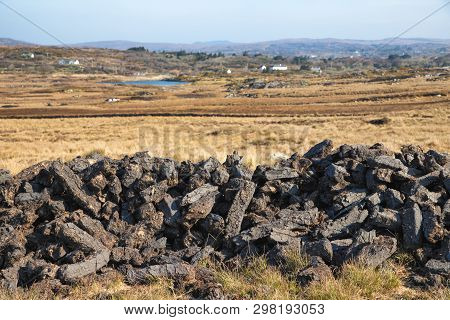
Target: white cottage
(68, 62)
(316, 70)
(28, 55)
(279, 67)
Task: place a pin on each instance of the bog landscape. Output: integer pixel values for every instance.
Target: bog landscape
(225, 171)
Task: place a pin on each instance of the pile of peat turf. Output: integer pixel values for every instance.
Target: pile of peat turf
(150, 217)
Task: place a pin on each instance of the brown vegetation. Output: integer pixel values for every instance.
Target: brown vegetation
(197, 120)
(257, 281)
(62, 95)
(260, 140)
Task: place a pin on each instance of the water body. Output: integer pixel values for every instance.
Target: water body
(159, 83)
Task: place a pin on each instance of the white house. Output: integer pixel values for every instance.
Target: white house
(228, 71)
(68, 62)
(263, 68)
(316, 70)
(279, 67)
(28, 55)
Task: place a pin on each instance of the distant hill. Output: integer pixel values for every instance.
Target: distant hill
(124, 45)
(338, 47)
(285, 47)
(12, 42)
(210, 46)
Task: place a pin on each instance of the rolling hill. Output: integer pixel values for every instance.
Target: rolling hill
(286, 47)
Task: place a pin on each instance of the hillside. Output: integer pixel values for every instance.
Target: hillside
(290, 47)
(286, 47)
(12, 42)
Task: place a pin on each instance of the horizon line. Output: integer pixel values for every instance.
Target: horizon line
(228, 41)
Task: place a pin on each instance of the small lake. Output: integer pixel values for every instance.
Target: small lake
(159, 83)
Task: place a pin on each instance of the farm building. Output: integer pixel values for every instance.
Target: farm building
(279, 67)
(316, 70)
(28, 55)
(68, 62)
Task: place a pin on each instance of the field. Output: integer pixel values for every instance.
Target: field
(52, 113)
(63, 115)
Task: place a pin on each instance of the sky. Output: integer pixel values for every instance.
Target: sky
(188, 21)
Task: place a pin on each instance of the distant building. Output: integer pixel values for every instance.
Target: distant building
(68, 62)
(316, 69)
(279, 67)
(228, 71)
(263, 68)
(28, 55)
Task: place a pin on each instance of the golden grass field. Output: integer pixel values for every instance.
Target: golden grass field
(260, 140)
(63, 116)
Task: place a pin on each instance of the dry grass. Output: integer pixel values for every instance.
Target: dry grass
(356, 282)
(256, 281)
(261, 140)
(287, 120)
(110, 287)
(260, 281)
(75, 95)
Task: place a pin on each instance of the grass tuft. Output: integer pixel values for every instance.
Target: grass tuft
(356, 282)
(294, 262)
(94, 152)
(257, 280)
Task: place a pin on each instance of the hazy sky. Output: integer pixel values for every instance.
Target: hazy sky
(235, 20)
